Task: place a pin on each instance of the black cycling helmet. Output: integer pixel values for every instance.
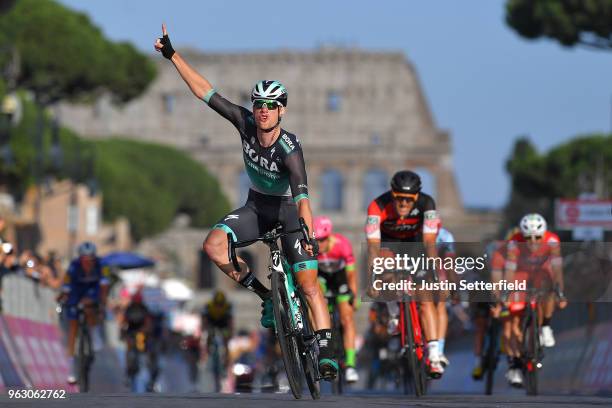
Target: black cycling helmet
(406, 181)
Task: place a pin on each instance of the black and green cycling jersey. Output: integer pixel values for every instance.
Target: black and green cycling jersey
(277, 170)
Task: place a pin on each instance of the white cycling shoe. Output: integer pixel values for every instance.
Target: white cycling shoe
(436, 369)
(444, 361)
(547, 339)
(393, 326)
(514, 377)
(71, 376)
(351, 375)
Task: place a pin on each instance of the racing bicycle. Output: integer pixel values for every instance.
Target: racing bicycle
(293, 329)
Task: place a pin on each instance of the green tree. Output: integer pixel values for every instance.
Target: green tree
(144, 182)
(570, 22)
(150, 184)
(566, 171)
(64, 56)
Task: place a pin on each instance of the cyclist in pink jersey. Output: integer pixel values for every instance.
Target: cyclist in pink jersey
(338, 278)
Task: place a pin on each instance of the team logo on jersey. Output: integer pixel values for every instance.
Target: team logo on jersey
(431, 215)
(262, 161)
(272, 151)
(372, 225)
(288, 141)
(414, 212)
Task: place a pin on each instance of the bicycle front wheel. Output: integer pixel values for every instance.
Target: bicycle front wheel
(412, 376)
(491, 354)
(285, 334)
(85, 359)
(531, 349)
(307, 349)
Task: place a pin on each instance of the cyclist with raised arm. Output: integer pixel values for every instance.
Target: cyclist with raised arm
(405, 214)
(338, 277)
(279, 193)
(86, 282)
(533, 255)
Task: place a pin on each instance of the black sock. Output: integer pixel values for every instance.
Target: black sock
(253, 284)
(546, 321)
(324, 338)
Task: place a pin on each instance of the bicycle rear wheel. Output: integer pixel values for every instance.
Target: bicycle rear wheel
(284, 334)
(338, 347)
(216, 364)
(531, 349)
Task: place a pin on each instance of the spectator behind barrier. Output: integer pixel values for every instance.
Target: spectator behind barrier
(47, 272)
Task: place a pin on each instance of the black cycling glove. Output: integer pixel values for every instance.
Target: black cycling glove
(167, 50)
(315, 246)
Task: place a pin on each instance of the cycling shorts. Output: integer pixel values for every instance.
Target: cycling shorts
(335, 285)
(76, 294)
(541, 280)
(262, 213)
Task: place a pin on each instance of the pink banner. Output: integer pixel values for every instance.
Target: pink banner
(40, 351)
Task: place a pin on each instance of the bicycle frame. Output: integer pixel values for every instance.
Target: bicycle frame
(416, 325)
(293, 330)
(278, 264)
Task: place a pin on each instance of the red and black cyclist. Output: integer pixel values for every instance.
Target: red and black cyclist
(533, 255)
(481, 311)
(405, 214)
(279, 193)
(338, 278)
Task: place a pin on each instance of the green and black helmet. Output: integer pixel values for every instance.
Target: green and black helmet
(270, 90)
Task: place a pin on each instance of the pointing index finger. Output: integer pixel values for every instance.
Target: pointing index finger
(164, 31)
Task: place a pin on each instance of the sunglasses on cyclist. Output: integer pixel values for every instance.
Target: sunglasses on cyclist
(534, 238)
(404, 196)
(260, 103)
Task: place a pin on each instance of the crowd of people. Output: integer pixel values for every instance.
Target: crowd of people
(46, 271)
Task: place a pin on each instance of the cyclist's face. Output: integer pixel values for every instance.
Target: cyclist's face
(534, 242)
(265, 117)
(87, 262)
(323, 244)
(404, 203)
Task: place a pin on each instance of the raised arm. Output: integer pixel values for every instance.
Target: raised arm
(200, 86)
(194, 80)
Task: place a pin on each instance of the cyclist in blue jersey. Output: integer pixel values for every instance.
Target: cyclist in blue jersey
(86, 282)
(279, 193)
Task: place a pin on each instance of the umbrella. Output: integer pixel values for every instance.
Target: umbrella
(126, 260)
(176, 290)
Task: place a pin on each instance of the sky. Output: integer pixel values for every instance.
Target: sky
(483, 83)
